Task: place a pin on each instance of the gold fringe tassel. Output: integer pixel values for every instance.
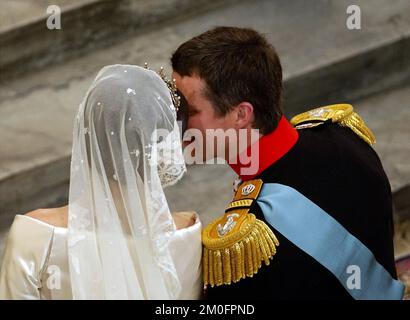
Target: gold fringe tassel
(241, 259)
(356, 123)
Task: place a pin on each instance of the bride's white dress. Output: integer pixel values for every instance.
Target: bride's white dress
(35, 263)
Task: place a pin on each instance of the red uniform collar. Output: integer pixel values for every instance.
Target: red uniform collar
(272, 147)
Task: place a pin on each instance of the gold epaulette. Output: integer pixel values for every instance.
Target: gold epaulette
(236, 244)
(343, 114)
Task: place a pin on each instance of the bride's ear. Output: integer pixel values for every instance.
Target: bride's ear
(244, 115)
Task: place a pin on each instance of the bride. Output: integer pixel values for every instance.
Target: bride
(116, 238)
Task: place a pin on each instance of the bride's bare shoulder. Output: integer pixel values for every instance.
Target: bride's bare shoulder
(57, 217)
(184, 219)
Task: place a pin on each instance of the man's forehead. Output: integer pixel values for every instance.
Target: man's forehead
(190, 86)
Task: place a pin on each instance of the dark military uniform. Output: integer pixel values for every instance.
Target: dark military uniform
(333, 166)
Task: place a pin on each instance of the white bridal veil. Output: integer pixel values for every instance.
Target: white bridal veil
(126, 148)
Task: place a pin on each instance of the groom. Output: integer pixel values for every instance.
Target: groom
(312, 212)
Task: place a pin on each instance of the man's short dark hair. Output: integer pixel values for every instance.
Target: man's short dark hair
(237, 64)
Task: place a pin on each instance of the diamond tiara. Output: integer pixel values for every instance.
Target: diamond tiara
(171, 84)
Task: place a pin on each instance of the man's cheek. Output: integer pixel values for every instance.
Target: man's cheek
(192, 130)
(190, 123)
(194, 123)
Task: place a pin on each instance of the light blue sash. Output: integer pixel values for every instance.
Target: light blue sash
(319, 235)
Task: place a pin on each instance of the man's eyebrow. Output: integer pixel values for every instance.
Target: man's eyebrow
(180, 94)
(184, 101)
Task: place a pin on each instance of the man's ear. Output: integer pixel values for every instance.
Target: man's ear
(244, 115)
